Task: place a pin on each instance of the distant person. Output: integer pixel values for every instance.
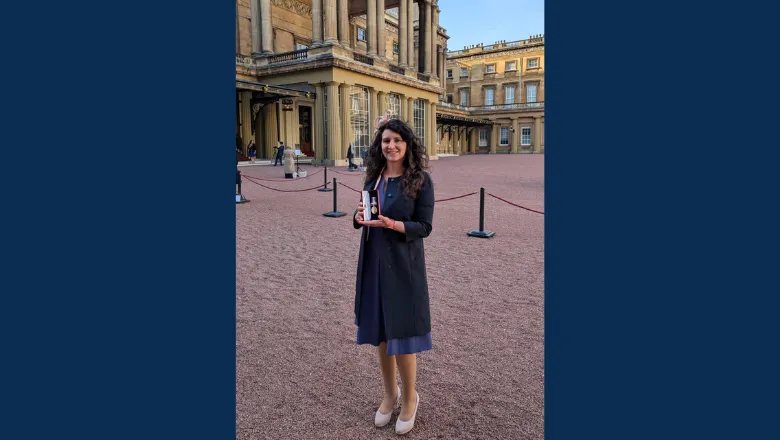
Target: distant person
(350, 155)
(252, 151)
(279, 154)
(392, 310)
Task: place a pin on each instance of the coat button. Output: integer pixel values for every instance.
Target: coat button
(389, 195)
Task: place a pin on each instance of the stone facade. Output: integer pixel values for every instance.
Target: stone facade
(504, 83)
(322, 50)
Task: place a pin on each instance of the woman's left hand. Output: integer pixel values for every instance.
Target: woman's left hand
(383, 222)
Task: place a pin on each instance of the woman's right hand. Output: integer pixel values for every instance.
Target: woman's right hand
(359, 215)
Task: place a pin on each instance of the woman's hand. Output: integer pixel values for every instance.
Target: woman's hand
(359, 214)
(383, 222)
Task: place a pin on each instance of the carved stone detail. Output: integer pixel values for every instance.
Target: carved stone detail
(296, 6)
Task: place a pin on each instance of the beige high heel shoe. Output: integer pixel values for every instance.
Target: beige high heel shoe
(404, 427)
(380, 419)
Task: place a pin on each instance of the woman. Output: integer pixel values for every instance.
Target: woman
(392, 311)
(252, 151)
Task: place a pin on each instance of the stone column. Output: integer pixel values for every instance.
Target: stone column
(402, 110)
(403, 33)
(269, 122)
(434, 40)
(382, 100)
(410, 112)
(451, 143)
(346, 122)
(516, 137)
(267, 30)
(319, 120)
(246, 119)
(431, 133)
(381, 39)
(494, 139)
(442, 75)
(428, 38)
(473, 140)
(373, 112)
(316, 22)
(334, 121)
(331, 31)
(343, 9)
(254, 20)
(538, 134)
(371, 27)
(410, 35)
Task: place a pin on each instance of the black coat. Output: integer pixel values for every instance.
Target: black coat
(402, 273)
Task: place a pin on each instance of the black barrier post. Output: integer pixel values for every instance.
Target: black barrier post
(481, 233)
(239, 197)
(325, 183)
(335, 212)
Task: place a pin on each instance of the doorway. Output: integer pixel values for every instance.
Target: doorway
(304, 130)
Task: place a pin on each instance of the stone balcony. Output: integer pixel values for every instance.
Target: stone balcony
(335, 56)
(525, 106)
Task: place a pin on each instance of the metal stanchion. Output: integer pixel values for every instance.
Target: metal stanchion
(239, 197)
(481, 233)
(325, 182)
(335, 212)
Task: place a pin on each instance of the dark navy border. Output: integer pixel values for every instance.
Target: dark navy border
(661, 242)
(118, 281)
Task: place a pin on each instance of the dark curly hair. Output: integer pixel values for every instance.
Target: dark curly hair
(415, 160)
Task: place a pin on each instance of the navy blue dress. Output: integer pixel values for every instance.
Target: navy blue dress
(372, 313)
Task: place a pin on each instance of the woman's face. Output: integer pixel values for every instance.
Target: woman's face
(393, 146)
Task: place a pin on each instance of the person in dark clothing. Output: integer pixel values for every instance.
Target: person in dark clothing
(350, 155)
(252, 151)
(392, 310)
(279, 154)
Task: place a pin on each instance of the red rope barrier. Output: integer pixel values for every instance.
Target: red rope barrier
(349, 187)
(442, 200)
(346, 174)
(458, 197)
(283, 180)
(282, 190)
(527, 209)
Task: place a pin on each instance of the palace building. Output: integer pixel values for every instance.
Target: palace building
(317, 73)
(501, 84)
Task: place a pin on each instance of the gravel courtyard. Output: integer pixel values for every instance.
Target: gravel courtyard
(299, 373)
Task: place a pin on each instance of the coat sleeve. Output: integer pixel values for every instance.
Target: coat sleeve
(421, 224)
(355, 224)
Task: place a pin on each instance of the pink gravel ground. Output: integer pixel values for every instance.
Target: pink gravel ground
(299, 373)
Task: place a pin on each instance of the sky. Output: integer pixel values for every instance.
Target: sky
(492, 20)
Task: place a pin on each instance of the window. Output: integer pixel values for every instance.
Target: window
(325, 118)
(483, 137)
(395, 47)
(419, 119)
(449, 74)
(511, 65)
(299, 46)
(394, 105)
(449, 99)
(490, 68)
(510, 95)
(525, 138)
(359, 120)
(464, 97)
(504, 138)
(530, 93)
(490, 95)
(533, 63)
(361, 34)
(464, 72)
